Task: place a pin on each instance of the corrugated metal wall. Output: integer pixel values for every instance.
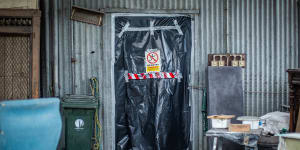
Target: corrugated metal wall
(142, 4)
(266, 30)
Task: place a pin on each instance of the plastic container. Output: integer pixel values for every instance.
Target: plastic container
(30, 124)
(221, 121)
(252, 120)
(268, 142)
(79, 113)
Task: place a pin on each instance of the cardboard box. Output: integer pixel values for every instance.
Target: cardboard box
(239, 128)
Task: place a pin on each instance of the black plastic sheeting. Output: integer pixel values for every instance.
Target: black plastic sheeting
(152, 114)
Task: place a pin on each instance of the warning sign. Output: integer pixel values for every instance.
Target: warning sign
(152, 59)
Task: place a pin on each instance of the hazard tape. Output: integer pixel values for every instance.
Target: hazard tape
(153, 75)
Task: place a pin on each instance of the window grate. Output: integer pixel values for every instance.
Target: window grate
(15, 66)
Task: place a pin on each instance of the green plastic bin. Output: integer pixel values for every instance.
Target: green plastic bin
(79, 113)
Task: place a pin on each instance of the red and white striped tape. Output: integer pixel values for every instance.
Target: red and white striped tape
(153, 75)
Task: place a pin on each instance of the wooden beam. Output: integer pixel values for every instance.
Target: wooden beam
(35, 56)
(15, 29)
(298, 123)
(20, 13)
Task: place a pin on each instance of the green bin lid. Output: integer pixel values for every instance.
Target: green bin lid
(79, 101)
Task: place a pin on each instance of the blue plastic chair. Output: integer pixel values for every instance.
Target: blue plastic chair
(30, 124)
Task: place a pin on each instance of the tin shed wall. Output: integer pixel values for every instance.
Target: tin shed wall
(266, 30)
(83, 42)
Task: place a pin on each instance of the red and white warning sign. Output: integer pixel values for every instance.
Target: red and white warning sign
(153, 75)
(152, 60)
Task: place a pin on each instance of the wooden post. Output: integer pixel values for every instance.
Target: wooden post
(36, 54)
(291, 102)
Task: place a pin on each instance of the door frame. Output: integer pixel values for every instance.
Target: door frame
(108, 83)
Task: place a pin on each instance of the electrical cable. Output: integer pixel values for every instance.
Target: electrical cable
(94, 85)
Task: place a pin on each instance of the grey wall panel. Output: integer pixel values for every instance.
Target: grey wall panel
(208, 39)
(195, 88)
(211, 35)
(266, 30)
(107, 85)
(62, 49)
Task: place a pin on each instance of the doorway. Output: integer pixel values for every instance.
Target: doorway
(151, 71)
